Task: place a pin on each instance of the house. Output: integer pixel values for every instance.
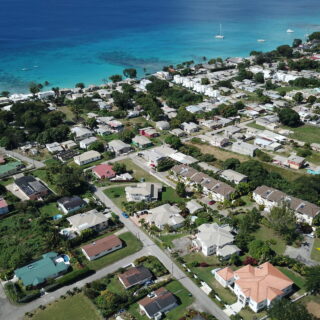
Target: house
(31, 188)
(269, 197)
(81, 133)
(193, 206)
(87, 157)
(190, 127)
(104, 171)
(146, 191)
(244, 148)
(10, 168)
(4, 207)
(218, 141)
(103, 130)
(141, 142)
(88, 220)
(208, 167)
(296, 162)
(69, 144)
(50, 266)
(66, 155)
(148, 132)
(115, 126)
(214, 239)
(71, 204)
(162, 125)
(85, 143)
(183, 158)
(54, 147)
(158, 302)
(165, 215)
(119, 147)
(256, 287)
(231, 130)
(101, 247)
(233, 176)
(135, 276)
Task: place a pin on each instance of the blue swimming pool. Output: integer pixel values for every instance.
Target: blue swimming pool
(57, 217)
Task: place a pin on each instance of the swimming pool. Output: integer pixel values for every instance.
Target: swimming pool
(57, 217)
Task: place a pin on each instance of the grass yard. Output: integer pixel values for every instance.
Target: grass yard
(167, 239)
(313, 304)
(315, 253)
(50, 209)
(177, 313)
(264, 233)
(68, 112)
(131, 245)
(117, 195)
(76, 307)
(255, 126)
(314, 158)
(288, 174)
(6, 181)
(169, 194)
(306, 133)
(138, 172)
(42, 175)
(296, 278)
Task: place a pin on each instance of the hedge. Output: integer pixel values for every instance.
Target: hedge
(30, 297)
(74, 276)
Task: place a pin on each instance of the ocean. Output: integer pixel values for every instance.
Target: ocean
(69, 41)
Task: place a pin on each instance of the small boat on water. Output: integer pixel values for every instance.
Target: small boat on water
(261, 40)
(220, 36)
(290, 31)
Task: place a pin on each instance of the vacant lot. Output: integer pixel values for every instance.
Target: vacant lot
(315, 253)
(306, 133)
(76, 307)
(117, 195)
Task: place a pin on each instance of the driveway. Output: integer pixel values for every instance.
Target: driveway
(303, 253)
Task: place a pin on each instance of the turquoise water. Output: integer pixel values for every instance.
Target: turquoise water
(65, 42)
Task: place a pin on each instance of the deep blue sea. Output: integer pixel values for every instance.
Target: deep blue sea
(68, 41)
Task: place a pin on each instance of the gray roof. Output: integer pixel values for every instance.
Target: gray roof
(87, 220)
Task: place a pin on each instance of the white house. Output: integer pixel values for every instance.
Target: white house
(146, 191)
(85, 143)
(81, 133)
(87, 157)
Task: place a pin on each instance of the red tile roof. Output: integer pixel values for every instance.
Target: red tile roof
(3, 203)
(104, 171)
(101, 245)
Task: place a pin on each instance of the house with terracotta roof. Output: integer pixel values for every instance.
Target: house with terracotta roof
(103, 171)
(256, 287)
(157, 303)
(101, 247)
(134, 276)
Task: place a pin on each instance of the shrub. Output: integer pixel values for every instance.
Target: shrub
(74, 276)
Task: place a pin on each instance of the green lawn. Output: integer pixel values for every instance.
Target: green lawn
(76, 307)
(50, 209)
(306, 133)
(42, 175)
(6, 181)
(314, 158)
(167, 239)
(117, 195)
(255, 126)
(264, 233)
(288, 174)
(131, 245)
(169, 194)
(138, 172)
(175, 314)
(296, 278)
(315, 253)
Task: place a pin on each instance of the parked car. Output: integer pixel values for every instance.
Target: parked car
(211, 202)
(125, 215)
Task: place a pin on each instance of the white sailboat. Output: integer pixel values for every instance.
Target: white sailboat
(290, 31)
(220, 36)
(261, 40)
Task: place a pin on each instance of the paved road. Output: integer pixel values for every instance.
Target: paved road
(202, 299)
(33, 163)
(12, 312)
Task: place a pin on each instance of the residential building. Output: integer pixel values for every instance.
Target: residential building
(81, 133)
(269, 197)
(157, 303)
(87, 157)
(71, 204)
(115, 126)
(145, 191)
(10, 168)
(178, 132)
(69, 144)
(4, 207)
(135, 276)
(50, 266)
(244, 148)
(165, 215)
(85, 143)
(256, 287)
(54, 147)
(233, 176)
(149, 132)
(66, 155)
(193, 206)
(218, 140)
(88, 220)
(104, 171)
(141, 142)
(31, 188)
(101, 247)
(214, 239)
(162, 125)
(296, 162)
(190, 127)
(119, 147)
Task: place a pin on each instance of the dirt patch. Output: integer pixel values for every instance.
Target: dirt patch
(182, 245)
(219, 153)
(314, 308)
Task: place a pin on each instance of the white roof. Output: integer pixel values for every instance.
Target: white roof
(165, 214)
(193, 206)
(87, 220)
(213, 234)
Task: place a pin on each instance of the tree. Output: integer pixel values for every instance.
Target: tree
(285, 51)
(130, 73)
(298, 97)
(260, 250)
(116, 78)
(181, 189)
(205, 81)
(311, 99)
(165, 164)
(313, 279)
(126, 135)
(91, 123)
(80, 85)
(157, 87)
(97, 146)
(34, 88)
(259, 77)
(173, 141)
(283, 221)
(314, 36)
(119, 168)
(296, 43)
(5, 94)
(286, 310)
(289, 117)
(231, 163)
